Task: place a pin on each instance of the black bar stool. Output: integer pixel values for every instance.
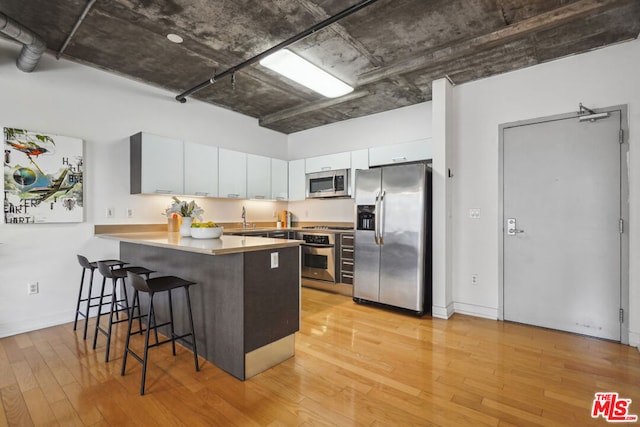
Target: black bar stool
(152, 287)
(117, 304)
(91, 266)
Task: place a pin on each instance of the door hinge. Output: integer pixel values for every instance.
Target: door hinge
(621, 225)
(621, 136)
(622, 315)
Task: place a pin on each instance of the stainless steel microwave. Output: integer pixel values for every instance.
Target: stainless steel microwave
(328, 184)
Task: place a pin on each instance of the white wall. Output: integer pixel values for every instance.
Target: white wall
(600, 78)
(64, 98)
(387, 128)
(390, 127)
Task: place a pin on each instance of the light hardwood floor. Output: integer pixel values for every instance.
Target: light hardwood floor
(354, 365)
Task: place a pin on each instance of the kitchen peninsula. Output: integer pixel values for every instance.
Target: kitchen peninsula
(246, 304)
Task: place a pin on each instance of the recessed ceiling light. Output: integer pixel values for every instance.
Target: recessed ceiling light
(174, 38)
(307, 74)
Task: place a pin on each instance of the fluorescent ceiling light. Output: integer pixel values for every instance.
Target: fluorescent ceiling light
(304, 72)
(174, 38)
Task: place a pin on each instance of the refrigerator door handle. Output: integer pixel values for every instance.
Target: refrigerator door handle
(375, 220)
(380, 214)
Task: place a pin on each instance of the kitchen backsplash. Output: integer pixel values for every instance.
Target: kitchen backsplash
(323, 210)
(148, 209)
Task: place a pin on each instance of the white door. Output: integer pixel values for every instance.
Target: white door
(562, 251)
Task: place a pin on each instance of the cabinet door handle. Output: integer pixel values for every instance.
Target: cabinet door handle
(201, 193)
(257, 196)
(325, 168)
(398, 159)
(233, 195)
(163, 191)
(279, 198)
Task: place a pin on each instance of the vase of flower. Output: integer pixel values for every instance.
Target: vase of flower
(185, 228)
(187, 210)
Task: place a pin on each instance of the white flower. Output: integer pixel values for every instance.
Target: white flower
(184, 209)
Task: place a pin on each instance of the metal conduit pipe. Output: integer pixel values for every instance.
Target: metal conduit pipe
(32, 45)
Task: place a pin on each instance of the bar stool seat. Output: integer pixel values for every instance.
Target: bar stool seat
(152, 287)
(116, 305)
(89, 299)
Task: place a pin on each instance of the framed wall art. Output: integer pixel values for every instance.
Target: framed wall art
(42, 178)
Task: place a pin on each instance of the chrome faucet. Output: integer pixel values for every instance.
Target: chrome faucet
(244, 218)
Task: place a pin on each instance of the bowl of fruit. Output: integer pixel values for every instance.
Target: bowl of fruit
(206, 230)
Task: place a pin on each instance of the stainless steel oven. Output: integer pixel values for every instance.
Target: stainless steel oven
(318, 256)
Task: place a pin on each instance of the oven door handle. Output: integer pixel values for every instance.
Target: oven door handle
(317, 245)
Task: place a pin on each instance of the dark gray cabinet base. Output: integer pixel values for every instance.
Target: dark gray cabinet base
(245, 312)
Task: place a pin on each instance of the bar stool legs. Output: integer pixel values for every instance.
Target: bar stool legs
(89, 299)
(117, 305)
(151, 287)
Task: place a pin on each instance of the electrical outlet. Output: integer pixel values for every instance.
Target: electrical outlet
(274, 259)
(109, 212)
(32, 288)
(129, 213)
(474, 213)
(474, 279)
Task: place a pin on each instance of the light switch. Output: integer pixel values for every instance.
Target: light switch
(274, 259)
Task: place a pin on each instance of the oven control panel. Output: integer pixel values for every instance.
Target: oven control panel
(317, 239)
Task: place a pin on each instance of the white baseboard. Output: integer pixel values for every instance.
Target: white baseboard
(442, 312)
(634, 339)
(476, 310)
(15, 328)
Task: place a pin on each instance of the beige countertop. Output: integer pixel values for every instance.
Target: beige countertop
(224, 245)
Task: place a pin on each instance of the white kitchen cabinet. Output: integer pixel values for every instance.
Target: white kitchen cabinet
(258, 177)
(297, 183)
(156, 164)
(401, 153)
(232, 174)
(328, 162)
(359, 160)
(200, 170)
(279, 179)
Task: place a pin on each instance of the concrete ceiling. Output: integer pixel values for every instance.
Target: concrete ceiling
(389, 51)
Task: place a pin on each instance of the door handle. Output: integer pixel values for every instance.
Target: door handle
(511, 227)
(376, 219)
(381, 215)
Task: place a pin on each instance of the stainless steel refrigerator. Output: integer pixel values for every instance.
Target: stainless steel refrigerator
(392, 257)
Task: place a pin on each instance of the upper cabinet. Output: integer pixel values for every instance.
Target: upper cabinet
(200, 170)
(359, 160)
(401, 153)
(258, 177)
(279, 179)
(328, 162)
(232, 167)
(297, 184)
(156, 164)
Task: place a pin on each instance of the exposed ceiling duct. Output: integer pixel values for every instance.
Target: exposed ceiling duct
(32, 45)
